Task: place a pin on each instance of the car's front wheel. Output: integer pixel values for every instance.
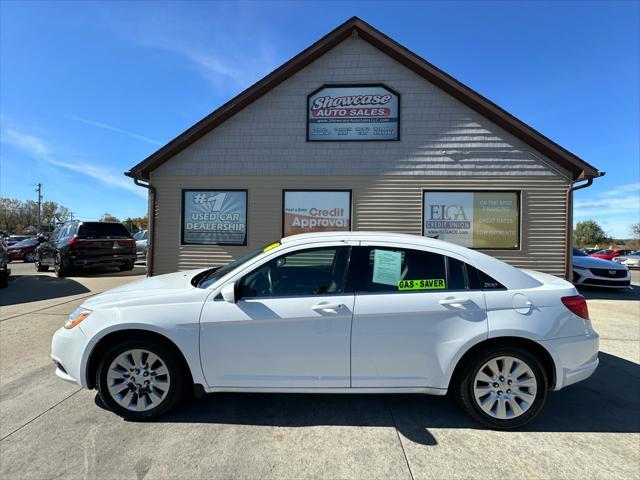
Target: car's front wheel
(140, 380)
(59, 268)
(29, 257)
(502, 388)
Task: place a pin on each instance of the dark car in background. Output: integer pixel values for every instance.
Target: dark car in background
(24, 250)
(77, 244)
(13, 239)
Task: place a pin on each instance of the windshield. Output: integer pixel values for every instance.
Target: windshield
(604, 252)
(208, 278)
(579, 253)
(30, 242)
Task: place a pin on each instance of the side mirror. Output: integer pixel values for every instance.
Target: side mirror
(229, 293)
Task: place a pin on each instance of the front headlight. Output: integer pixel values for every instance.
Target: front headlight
(77, 316)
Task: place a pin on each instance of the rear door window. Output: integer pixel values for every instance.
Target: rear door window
(97, 230)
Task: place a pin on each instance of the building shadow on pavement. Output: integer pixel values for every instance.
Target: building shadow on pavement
(108, 272)
(32, 288)
(609, 401)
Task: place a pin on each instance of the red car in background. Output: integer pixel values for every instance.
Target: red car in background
(24, 250)
(610, 253)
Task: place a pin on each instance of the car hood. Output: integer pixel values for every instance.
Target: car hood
(159, 289)
(595, 262)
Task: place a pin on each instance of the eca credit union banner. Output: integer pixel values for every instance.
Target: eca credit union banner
(353, 113)
(473, 219)
(316, 212)
(214, 217)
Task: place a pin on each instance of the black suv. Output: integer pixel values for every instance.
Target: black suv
(79, 244)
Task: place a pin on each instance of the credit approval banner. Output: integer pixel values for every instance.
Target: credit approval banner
(321, 211)
(214, 217)
(473, 219)
(368, 112)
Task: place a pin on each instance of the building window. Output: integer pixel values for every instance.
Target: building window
(315, 211)
(474, 219)
(214, 217)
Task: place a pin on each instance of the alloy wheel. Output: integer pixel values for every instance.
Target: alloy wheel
(138, 380)
(30, 257)
(505, 387)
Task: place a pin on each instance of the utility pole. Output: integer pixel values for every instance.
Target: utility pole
(39, 191)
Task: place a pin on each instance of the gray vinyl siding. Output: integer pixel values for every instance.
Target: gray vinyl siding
(443, 145)
(387, 203)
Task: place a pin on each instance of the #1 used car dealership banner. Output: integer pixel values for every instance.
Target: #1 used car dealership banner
(214, 217)
(367, 112)
(316, 211)
(473, 219)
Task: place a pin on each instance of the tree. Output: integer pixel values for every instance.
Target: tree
(589, 232)
(635, 233)
(107, 217)
(16, 215)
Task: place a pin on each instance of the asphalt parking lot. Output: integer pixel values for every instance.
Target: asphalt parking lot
(51, 429)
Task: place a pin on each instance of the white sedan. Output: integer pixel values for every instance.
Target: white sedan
(340, 312)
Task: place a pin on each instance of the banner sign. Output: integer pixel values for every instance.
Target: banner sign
(214, 217)
(353, 113)
(319, 211)
(473, 219)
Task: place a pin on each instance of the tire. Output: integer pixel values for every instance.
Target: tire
(58, 266)
(532, 381)
(39, 266)
(127, 266)
(167, 389)
(29, 257)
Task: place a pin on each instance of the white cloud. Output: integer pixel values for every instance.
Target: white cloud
(621, 199)
(114, 129)
(37, 148)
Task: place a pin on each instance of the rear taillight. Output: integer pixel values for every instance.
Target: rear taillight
(578, 305)
(72, 243)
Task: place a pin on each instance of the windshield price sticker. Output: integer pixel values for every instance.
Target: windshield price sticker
(425, 284)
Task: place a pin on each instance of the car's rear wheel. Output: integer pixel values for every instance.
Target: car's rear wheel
(58, 266)
(502, 388)
(29, 257)
(39, 266)
(140, 380)
(127, 266)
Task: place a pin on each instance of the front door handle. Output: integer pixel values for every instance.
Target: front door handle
(327, 306)
(454, 302)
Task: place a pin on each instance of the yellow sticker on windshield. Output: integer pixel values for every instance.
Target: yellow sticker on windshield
(271, 247)
(426, 284)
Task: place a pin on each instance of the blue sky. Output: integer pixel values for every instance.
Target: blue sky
(89, 89)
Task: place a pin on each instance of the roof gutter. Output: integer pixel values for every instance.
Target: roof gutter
(151, 215)
(568, 257)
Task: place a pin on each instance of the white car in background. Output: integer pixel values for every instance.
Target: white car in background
(591, 271)
(142, 239)
(632, 260)
(340, 312)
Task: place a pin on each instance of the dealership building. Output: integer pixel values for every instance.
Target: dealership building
(358, 133)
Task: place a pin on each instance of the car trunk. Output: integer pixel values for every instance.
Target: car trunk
(106, 239)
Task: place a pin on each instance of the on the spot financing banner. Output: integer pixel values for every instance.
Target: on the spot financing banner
(353, 113)
(472, 219)
(214, 217)
(316, 212)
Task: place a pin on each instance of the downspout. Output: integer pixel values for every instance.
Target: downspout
(152, 230)
(568, 258)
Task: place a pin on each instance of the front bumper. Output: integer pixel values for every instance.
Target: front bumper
(67, 348)
(588, 278)
(575, 358)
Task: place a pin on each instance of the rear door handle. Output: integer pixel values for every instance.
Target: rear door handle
(327, 306)
(454, 302)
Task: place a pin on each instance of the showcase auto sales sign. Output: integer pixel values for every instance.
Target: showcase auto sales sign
(353, 113)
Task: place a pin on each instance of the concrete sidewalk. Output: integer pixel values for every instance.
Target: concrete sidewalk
(49, 428)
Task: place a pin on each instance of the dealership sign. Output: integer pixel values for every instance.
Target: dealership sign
(366, 112)
(473, 219)
(214, 217)
(316, 211)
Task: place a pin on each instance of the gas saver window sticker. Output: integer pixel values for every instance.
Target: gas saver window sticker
(424, 284)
